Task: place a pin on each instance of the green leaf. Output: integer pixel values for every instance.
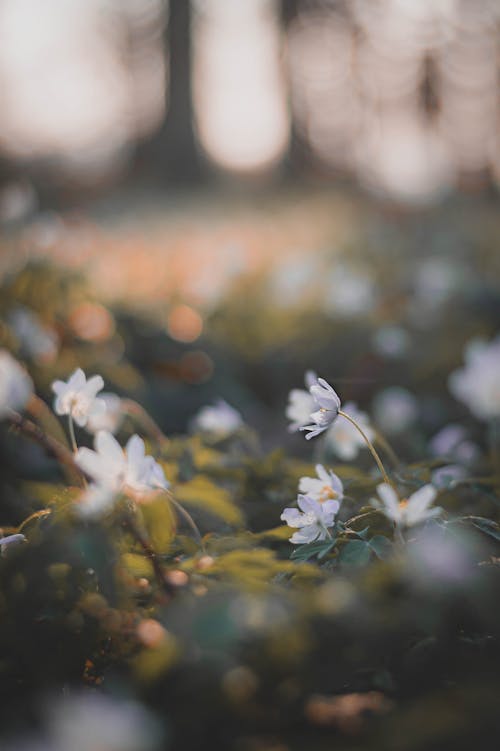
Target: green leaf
(202, 493)
(381, 546)
(487, 526)
(355, 553)
(319, 548)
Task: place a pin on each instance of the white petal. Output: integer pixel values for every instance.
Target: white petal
(77, 380)
(422, 498)
(135, 450)
(390, 499)
(109, 448)
(94, 385)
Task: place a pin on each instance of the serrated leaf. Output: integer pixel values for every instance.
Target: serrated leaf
(202, 493)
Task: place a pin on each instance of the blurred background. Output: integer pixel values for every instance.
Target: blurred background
(255, 176)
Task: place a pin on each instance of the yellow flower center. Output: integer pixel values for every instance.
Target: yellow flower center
(327, 493)
(403, 504)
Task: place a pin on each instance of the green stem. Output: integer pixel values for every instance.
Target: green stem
(371, 447)
(187, 516)
(386, 446)
(72, 438)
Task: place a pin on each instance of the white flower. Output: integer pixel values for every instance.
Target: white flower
(35, 339)
(116, 469)
(326, 487)
(13, 540)
(312, 520)
(90, 721)
(452, 442)
(300, 404)
(448, 476)
(77, 397)
(16, 387)
(95, 501)
(108, 419)
(395, 409)
(410, 511)
(343, 438)
(328, 403)
(391, 341)
(219, 419)
(350, 292)
(478, 384)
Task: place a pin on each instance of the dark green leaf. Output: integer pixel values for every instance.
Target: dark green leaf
(319, 548)
(381, 546)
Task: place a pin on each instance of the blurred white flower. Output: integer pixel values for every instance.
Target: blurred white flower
(35, 339)
(343, 438)
(410, 511)
(300, 404)
(439, 558)
(312, 521)
(328, 403)
(391, 341)
(219, 419)
(92, 721)
(452, 442)
(95, 501)
(116, 469)
(16, 387)
(448, 476)
(78, 397)
(110, 418)
(325, 487)
(350, 292)
(478, 383)
(395, 409)
(437, 279)
(10, 540)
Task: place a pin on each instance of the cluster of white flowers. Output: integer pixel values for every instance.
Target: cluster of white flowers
(478, 383)
(113, 470)
(319, 502)
(316, 411)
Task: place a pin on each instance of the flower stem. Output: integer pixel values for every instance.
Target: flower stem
(72, 438)
(138, 413)
(187, 516)
(386, 446)
(370, 445)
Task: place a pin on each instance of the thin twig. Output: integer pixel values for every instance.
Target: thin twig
(53, 447)
(187, 516)
(135, 410)
(137, 533)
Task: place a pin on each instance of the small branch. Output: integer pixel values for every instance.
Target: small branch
(386, 446)
(53, 447)
(44, 416)
(187, 516)
(137, 533)
(135, 410)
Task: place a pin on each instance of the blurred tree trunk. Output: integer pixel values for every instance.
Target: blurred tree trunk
(171, 155)
(297, 158)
